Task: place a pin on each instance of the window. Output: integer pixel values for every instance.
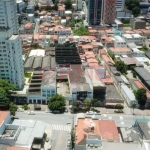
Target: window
(52, 91)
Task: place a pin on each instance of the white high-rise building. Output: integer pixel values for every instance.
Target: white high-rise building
(11, 63)
(120, 5)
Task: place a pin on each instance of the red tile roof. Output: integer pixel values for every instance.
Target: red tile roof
(17, 148)
(108, 130)
(3, 116)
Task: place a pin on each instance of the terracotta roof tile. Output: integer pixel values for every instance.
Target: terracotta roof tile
(17, 148)
(3, 115)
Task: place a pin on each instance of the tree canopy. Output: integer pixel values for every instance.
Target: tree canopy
(13, 108)
(144, 48)
(133, 5)
(81, 31)
(4, 100)
(136, 11)
(140, 95)
(87, 102)
(120, 65)
(68, 4)
(57, 102)
(5, 89)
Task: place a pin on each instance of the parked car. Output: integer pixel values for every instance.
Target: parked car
(48, 111)
(37, 106)
(56, 111)
(20, 110)
(92, 113)
(31, 113)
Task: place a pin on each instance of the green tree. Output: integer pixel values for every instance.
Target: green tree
(76, 106)
(144, 48)
(140, 95)
(121, 66)
(136, 11)
(57, 102)
(130, 4)
(119, 107)
(68, 4)
(25, 107)
(81, 31)
(5, 90)
(95, 103)
(4, 100)
(7, 86)
(13, 108)
(133, 5)
(87, 103)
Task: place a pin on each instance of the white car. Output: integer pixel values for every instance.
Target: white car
(92, 113)
(31, 113)
(48, 111)
(20, 110)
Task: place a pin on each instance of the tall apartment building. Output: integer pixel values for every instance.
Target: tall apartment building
(120, 5)
(108, 11)
(11, 63)
(94, 12)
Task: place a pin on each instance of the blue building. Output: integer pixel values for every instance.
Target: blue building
(94, 12)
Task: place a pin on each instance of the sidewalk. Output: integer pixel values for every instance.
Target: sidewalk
(48, 131)
(127, 111)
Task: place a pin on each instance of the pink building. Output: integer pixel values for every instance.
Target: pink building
(109, 11)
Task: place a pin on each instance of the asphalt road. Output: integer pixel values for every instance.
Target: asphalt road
(58, 119)
(67, 118)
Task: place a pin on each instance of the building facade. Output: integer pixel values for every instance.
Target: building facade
(109, 11)
(120, 5)
(94, 12)
(11, 63)
(8, 17)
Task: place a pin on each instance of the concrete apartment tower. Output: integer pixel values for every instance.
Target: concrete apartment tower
(120, 5)
(94, 12)
(108, 11)
(11, 63)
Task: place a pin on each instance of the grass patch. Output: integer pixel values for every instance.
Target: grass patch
(27, 75)
(126, 25)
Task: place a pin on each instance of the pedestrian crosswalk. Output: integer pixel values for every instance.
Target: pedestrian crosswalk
(61, 127)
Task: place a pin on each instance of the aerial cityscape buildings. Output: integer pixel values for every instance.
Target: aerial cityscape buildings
(74, 75)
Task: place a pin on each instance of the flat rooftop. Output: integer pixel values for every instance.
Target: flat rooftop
(49, 78)
(94, 78)
(145, 127)
(29, 130)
